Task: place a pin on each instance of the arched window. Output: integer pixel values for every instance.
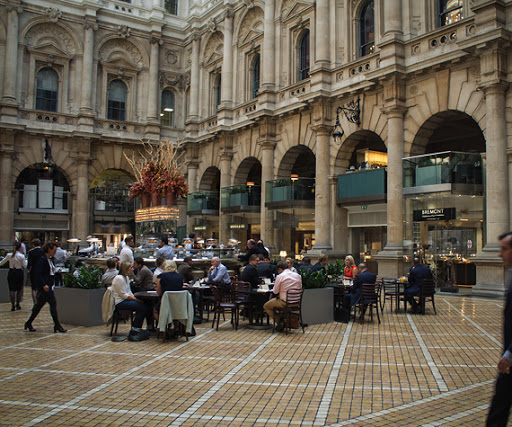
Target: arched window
(171, 6)
(256, 76)
(117, 94)
(450, 11)
(304, 56)
(167, 109)
(47, 89)
(366, 29)
(218, 89)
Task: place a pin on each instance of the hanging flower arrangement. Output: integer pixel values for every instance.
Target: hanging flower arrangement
(157, 170)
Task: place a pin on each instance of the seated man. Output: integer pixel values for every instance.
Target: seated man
(322, 262)
(266, 268)
(417, 274)
(306, 264)
(285, 281)
(218, 274)
(354, 295)
(185, 269)
(108, 276)
(250, 273)
(143, 278)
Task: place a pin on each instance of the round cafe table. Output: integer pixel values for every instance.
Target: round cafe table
(259, 319)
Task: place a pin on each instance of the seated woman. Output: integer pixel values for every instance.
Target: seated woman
(169, 280)
(350, 269)
(123, 296)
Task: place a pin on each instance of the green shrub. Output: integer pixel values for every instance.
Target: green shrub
(320, 279)
(88, 278)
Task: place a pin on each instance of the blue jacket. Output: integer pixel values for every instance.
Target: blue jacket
(417, 274)
(361, 279)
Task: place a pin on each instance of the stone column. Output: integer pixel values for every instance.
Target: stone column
(392, 17)
(268, 54)
(194, 78)
(192, 167)
(322, 189)
(6, 207)
(267, 174)
(227, 61)
(339, 225)
(87, 67)
(81, 211)
(11, 56)
(322, 32)
(225, 181)
(153, 79)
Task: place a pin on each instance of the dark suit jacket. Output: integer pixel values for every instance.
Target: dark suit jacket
(251, 275)
(186, 271)
(266, 270)
(42, 274)
(253, 250)
(507, 324)
(416, 277)
(317, 267)
(34, 255)
(361, 279)
(305, 267)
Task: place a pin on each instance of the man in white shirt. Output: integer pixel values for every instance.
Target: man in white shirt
(285, 280)
(165, 249)
(127, 253)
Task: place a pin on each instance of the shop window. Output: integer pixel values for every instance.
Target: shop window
(47, 89)
(450, 11)
(117, 95)
(256, 76)
(167, 109)
(171, 6)
(304, 56)
(366, 29)
(111, 191)
(218, 94)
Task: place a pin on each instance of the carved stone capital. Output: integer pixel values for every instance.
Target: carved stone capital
(14, 8)
(53, 14)
(156, 40)
(91, 24)
(124, 31)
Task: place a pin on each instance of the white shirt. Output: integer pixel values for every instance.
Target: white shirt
(285, 281)
(120, 288)
(156, 273)
(17, 261)
(126, 254)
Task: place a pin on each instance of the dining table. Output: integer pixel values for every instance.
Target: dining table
(259, 319)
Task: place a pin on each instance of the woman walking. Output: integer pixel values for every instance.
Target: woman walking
(45, 280)
(17, 264)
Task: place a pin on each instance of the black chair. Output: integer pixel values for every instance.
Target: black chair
(222, 304)
(428, 290)
(120, 315)
(292, 308)
(390, 291)
(370, 296)
(241, 296)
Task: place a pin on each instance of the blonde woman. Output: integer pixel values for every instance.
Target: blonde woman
(169, 280)
(350, 269)
(290, 263)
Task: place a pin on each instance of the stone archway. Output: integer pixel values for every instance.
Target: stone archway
(298, 160)
(210, 181)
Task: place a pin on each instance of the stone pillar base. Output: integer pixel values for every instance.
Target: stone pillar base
(391, 263)
(489, 274)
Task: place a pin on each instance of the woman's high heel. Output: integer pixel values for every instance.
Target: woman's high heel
(59, 329)
(29, 327)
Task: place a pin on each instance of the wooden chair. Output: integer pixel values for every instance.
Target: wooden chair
(293, 307)
(221, 306)
(427, 294)
(370, 296)
(120, 315)
(390, 291)
(240, 295)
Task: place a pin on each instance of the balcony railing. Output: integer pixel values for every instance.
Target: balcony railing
(203, 203)
(368, 185)
(445, 171)
(240, 198)
(286, 192)
(42, 201)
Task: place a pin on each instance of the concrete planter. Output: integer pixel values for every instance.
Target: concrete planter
(318, 306)
(80, 307)
(4, 286)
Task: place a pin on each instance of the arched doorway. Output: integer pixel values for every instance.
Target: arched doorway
(42, 208)
(112, 208)
(291, 198)
(241, 203)
(444, 196)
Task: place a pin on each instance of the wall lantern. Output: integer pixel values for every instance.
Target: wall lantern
(352, 113)
(294, 177)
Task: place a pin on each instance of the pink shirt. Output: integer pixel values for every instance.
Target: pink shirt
(287, 280)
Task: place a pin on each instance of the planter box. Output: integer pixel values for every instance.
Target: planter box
(4, 286)
(79, 306)
(318, 306)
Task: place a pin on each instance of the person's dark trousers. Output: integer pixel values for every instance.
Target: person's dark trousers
(501, 402)
(43, 298)
(140, 311)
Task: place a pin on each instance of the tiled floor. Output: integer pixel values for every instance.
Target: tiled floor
(410, 370)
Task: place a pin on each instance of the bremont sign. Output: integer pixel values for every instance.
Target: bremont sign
(434, 214)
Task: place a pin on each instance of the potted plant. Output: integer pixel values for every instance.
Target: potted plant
(318, 299)
(80, 299)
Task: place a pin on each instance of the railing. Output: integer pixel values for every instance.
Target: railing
(42, 201)
(286, 190)
(366, 185)
(448, 167)
(203, 201)
(240, 196)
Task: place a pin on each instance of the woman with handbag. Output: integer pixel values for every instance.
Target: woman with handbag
(45, 281)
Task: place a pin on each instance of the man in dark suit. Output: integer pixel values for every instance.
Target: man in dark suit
(266, 268)
(354, 295)
(250, 273)
(417, 274)
(502, 400)
(252, 249)
(306, 264)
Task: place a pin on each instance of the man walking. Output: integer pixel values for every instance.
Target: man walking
(500, 406)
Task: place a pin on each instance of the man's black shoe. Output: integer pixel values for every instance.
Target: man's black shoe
(280, 326)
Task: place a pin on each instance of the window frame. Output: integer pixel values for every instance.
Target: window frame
(168, 118)
(171, 7)
(255, 76)
(363, 30)
(442, 14)
(217, 92)
(304, 55)
(54, 100)
(109, 108)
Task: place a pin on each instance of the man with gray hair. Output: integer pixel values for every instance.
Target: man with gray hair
(218, 274)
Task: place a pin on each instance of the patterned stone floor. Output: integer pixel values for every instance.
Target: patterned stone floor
(411, 370)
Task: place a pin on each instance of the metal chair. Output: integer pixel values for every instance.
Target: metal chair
(427, 294)
(293, 307)
(240, 295)
(390, 291)
(370, 297)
